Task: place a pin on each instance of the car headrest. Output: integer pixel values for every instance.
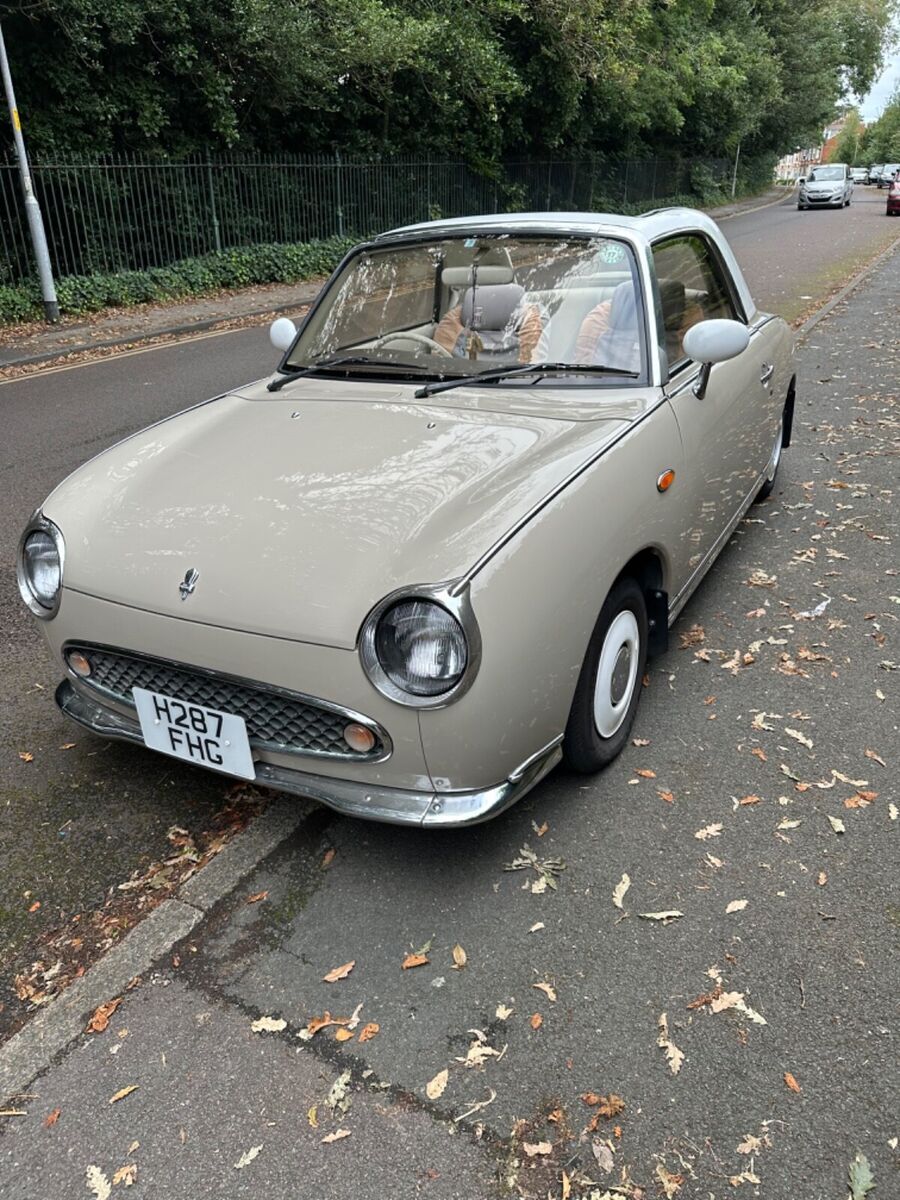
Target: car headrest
(488, 273)
(490, 306)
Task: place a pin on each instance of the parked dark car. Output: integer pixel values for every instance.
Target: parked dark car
(874, 172)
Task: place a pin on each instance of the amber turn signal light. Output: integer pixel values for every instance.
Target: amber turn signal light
(665, 481)
(359, 738)
(79, 663)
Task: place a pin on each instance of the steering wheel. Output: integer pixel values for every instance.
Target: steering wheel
(412, 337)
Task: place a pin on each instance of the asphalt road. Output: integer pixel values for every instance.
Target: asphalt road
(78, 821)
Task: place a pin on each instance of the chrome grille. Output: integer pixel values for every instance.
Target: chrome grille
(275, 720)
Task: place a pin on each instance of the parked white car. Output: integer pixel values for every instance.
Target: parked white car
(827, 186)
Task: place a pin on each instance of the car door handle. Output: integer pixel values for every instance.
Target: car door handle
(766, 373)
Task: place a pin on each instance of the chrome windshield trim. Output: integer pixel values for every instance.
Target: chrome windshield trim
(348, 714)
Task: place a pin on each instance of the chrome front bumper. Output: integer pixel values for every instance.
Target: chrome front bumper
(397, 806)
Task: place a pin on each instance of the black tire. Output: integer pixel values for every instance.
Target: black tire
(769, 485)
(585, 748)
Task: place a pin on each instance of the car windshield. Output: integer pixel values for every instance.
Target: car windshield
(458, 306)
(821, 174)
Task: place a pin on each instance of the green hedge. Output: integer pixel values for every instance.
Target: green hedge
(241, 267)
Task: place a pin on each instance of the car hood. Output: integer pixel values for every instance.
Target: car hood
(301, 512)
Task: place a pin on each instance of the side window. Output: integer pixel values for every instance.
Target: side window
(691, 289)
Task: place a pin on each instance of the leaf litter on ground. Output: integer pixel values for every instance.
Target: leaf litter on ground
(547, 869)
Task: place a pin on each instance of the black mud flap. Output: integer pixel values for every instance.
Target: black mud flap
(788, 419)
(657, 621)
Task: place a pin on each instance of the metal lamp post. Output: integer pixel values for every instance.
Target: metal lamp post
(32, 208)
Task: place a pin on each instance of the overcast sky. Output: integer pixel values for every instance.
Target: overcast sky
(885, 86)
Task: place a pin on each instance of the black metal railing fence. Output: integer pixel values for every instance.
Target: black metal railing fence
(131, 212)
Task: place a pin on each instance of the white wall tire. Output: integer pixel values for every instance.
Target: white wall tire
(609, 684)
(616, 673)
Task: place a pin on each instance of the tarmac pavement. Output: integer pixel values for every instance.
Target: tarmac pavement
(766, 812)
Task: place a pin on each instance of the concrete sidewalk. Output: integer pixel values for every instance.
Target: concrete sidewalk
(35, 343)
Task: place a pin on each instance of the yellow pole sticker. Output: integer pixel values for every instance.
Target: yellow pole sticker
(16, 123)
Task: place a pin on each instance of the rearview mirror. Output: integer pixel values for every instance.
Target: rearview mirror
(282, 333)
(714, 341)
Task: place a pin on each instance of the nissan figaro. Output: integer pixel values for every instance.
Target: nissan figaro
(426, 560)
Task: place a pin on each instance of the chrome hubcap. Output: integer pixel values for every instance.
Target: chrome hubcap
(776, 452)
(616, 673)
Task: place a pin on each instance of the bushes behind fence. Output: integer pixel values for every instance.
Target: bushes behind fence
(237, 268)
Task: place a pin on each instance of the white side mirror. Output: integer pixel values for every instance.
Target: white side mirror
(716, 341)
(282, 333)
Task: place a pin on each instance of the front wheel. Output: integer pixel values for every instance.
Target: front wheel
(609, 685)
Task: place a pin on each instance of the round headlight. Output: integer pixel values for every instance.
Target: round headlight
(421, 647)
(40, 569)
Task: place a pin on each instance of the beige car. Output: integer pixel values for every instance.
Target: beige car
(428, 558)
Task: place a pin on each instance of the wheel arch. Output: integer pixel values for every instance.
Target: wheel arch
(789, 413)
(648, 569)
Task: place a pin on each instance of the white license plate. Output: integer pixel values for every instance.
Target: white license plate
(195, 733)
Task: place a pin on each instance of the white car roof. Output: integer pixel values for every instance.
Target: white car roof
(642, 230)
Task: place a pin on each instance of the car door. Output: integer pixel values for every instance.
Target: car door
(726, 435)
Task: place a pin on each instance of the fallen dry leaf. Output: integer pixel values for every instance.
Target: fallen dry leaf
(328, 858)
(98, 1183)
(369, 1031)
(435, 1087)
(534, 1148)
(799, 737)
(503, 1013)
(338, 973)
(459, 958)
(619, 891)
(566, 1187)
(126, 1174)
(674, 1056)
(640, 741)
(645, 773)
(791, 1082)
(736, 906)
(312, 1116)
(51, 1118)
(100, 1019)
(123, 1092)
(257, 896)
(26, 756)
(667, 915)
(726, 1000)
(269, 1025)
(671, 1184)
(536, 1020)
(745, 800)
(343, 1034)
(876, 757)
(247, 1157)
(837, 824)
(547, 988)
(669, 797)
(709, 831)
(414, 960)
(337, 1136)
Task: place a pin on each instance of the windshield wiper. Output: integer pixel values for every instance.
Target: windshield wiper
(545, 368)
(347, 360)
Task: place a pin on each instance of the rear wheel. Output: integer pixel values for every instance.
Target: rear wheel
(774, 462)
(609, 685)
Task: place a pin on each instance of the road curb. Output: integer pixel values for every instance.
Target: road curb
(169, 331)
(740, 212)
(821, 313)
(32, 1049)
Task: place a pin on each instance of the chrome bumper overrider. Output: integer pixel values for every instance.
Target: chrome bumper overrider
(398, 806)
